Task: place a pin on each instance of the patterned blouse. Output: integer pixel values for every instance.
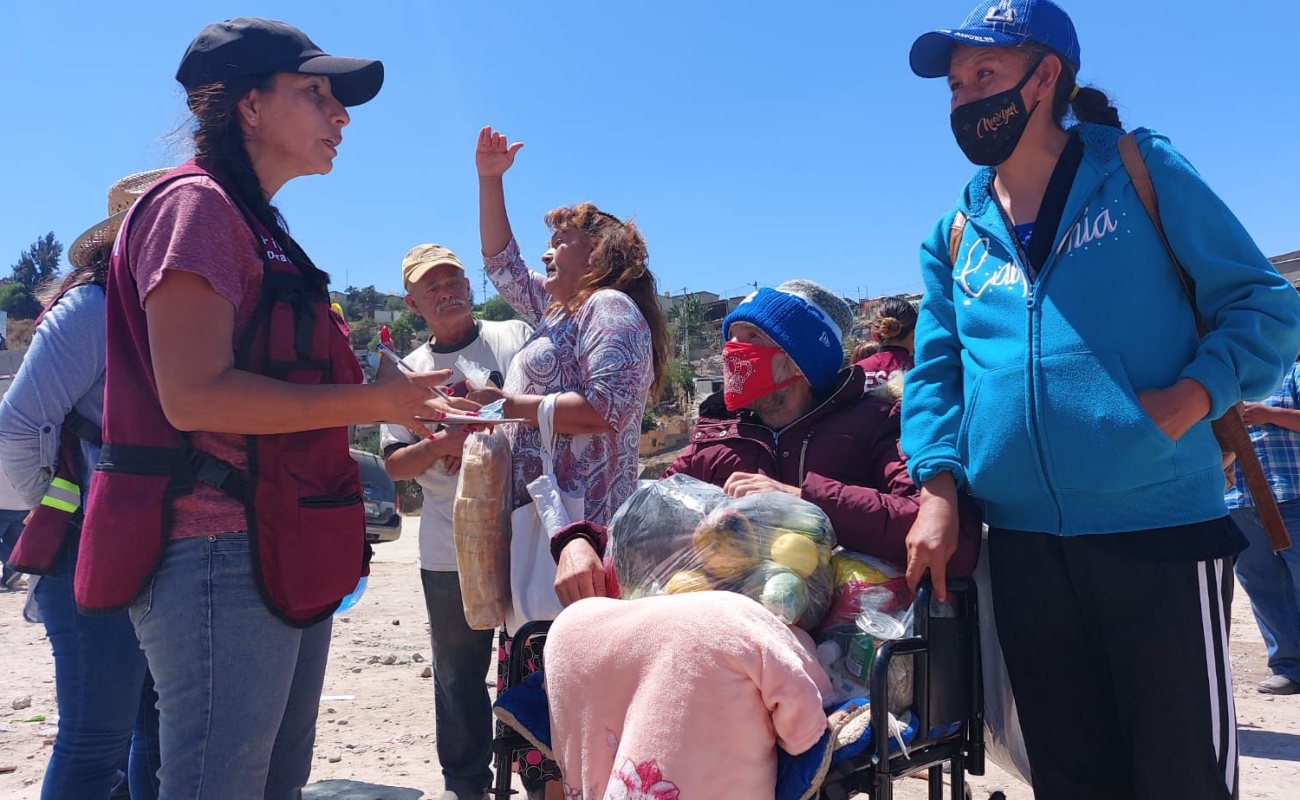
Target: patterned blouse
(603, 352)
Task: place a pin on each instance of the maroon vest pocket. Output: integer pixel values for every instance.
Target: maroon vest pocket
(46, 533)
(309, 534)
(41, 542)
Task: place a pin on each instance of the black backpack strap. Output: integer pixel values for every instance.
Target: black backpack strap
(184, 466)
(83, 428)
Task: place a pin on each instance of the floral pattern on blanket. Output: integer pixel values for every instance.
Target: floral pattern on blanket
(641, 781)
(632, 781)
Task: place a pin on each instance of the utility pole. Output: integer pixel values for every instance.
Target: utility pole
(685, 316)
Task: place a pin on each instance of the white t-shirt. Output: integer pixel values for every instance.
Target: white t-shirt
(493, 350)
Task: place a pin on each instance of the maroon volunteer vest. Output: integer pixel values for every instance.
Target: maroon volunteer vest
(53, 523)
(301, 492)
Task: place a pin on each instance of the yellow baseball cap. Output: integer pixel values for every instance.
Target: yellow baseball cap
(424, 257)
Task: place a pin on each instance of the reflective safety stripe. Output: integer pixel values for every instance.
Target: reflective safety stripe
(63, 495)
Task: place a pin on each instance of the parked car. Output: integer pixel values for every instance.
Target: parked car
(383, 524)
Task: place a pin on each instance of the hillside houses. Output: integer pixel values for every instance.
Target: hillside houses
(1288, 266)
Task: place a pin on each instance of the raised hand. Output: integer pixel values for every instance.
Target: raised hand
(494, 155)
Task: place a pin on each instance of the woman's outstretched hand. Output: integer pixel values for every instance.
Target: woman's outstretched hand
(405, 397)
(494, 155)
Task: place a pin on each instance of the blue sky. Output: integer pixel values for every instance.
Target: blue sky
(755, 141)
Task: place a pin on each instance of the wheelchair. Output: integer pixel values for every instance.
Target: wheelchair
(948, 715)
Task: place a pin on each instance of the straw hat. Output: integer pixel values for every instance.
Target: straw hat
(121, 196)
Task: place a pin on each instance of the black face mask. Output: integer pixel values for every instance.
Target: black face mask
(988, 130)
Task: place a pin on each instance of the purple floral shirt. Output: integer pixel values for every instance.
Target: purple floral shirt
(603, 352)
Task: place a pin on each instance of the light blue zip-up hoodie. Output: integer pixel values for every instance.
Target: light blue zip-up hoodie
(1026, 390)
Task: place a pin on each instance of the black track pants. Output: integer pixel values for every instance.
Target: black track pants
(1119, 667)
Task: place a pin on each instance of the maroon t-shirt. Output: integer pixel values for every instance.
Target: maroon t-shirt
(192, 225)
(883, 363)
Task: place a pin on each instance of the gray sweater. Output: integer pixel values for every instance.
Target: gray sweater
(63, 369)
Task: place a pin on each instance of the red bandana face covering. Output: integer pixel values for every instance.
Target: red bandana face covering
(747, 373)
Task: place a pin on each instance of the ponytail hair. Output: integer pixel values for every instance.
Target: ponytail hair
(1091, 104)
(894, 319)
(1087, 103)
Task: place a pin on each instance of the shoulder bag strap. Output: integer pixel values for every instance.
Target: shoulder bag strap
(1230, 429)
(954, 237)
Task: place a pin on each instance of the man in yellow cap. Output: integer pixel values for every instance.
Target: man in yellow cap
(437, 290)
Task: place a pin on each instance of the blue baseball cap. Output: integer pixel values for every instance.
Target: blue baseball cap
(999, 23)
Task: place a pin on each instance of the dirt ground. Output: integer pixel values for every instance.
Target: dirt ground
(375, 739)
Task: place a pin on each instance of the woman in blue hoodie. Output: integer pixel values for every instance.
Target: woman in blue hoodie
(1059, 378)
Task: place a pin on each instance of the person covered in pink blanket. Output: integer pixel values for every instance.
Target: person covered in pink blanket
(688, 696)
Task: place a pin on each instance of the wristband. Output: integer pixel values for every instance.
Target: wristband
(594, 534)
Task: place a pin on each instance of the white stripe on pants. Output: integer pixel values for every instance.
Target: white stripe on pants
(1218, 666)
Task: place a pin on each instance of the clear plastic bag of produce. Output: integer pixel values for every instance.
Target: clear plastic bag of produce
(481, 528)
(684, 535)
(871, 604)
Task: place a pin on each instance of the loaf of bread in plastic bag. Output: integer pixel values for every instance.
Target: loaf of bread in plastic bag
(481, 527)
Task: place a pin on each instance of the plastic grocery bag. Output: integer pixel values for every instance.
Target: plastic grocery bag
(532, 568)
(684, 535)
(872, 605)
(1003, 741)
(481, 529)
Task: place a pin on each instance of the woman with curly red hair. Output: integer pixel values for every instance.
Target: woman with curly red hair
(598, 350)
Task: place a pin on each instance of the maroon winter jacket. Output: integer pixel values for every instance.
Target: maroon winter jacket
(883, 363)
(843, 455)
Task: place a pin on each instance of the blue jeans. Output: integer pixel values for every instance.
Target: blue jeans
(11, 527)
(238, 689)
(461, 706)
(1272, 582)
(104, 708)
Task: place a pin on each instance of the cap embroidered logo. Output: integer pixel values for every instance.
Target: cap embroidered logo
(1002, 12)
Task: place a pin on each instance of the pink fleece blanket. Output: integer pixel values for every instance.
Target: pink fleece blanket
(681, 697)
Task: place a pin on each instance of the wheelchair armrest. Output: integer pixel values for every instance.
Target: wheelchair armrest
(527, 632)
(879, 689)
(961, 592)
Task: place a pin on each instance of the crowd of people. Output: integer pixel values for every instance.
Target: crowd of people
(193, 516)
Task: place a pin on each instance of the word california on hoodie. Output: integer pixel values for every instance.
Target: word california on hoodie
(1025, 385)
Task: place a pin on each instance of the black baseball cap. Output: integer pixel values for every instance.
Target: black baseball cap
(246, 46)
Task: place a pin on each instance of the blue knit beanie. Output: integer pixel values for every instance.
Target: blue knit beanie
(806, 331)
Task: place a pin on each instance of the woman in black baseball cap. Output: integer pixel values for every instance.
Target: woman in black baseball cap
(226, 511)
(243, 47)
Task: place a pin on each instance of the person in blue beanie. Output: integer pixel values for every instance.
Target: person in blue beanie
(1060, 380)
